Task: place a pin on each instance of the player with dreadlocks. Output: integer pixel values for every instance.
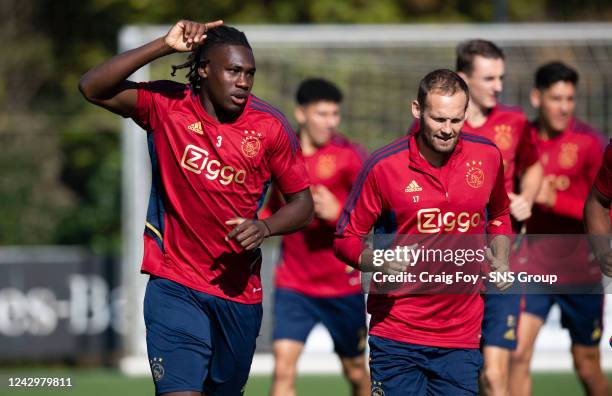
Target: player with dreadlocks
(213, 149)
(222, 35)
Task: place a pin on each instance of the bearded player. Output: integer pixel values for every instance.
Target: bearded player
(481, 64)
(428, 344)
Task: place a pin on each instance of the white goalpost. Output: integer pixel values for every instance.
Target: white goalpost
(297, 50)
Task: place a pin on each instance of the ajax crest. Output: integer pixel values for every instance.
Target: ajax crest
(474, 176)
(326, 166)
(568, 156)
(251, 143)
(503, 136)
(377, 389)
(156, 368)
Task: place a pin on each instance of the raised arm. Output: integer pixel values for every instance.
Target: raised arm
(106, 85)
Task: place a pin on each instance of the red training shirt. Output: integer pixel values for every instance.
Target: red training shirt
(603, 180)
(571, 160)
(203, 174)
(399, 189)
(307, 263)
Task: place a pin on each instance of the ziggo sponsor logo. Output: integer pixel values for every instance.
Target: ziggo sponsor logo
(432, 221)
(195, 159)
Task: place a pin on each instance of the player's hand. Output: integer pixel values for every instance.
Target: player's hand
(499, 265)
(605, 262)
(520, 208)
(185, 35)
(249, 233)
(548, 192)
(394, 267)
(326, 206)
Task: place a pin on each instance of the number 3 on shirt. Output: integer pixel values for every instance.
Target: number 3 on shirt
(219, 140)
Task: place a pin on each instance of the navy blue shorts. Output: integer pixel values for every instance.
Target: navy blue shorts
(399, 368)
(295, 314)
(500, 320)
(581, 314)
(198, 342)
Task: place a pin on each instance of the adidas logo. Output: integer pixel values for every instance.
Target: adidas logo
(510, 335)
(196, 127)
(413, 187)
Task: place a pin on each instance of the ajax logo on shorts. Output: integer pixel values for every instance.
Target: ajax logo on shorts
(377, 389)
(157, 369)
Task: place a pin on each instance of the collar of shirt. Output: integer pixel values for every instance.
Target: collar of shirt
(488, 119)
(543, 140)
(321, 149)
(418, 162)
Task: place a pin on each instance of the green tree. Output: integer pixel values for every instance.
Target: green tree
(60, 178)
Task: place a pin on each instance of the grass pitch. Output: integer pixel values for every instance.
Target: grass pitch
(102, 382)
